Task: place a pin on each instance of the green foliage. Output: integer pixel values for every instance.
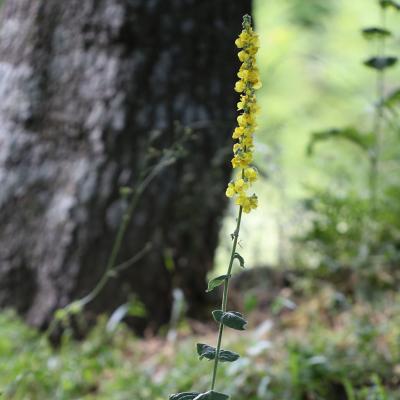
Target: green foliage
(311, 13)
(354, 228)
(316, 351)
(342, 238)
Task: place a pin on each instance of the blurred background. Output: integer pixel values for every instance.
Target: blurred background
(115, 146)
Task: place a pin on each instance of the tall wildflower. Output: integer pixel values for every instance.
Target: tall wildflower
(248, 83)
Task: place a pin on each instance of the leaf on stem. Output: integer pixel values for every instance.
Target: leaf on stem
(215, 282)
(184, 396)
(231, 319)
(363, 140)
(239, 258)
(206, 351)
(212, 395)
(375, 33)
(390, 3)
(381, 63)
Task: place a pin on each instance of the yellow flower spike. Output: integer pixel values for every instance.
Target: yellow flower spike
(248, 43)
(243, 156)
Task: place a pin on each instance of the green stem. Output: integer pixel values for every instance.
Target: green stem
(122, 230)
(225, 295)
(378, 122)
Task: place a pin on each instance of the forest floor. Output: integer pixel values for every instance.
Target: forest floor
(302, 344)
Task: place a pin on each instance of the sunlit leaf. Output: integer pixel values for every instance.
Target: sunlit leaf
(231, 319)
(215, 282)
(381, 63)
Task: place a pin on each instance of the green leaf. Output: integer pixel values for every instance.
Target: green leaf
(392, 99)
(376, 33)
(206, 351)
(239, 258)
(184, 396)
(125, 191)
(363, 140)
(381, 63)
(211, 395)
(390, 3)
(215, 282)
(231, 319)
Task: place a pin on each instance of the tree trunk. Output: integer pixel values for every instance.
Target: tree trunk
(87, 87)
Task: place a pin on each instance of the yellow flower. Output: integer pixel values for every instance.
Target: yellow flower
(240, 185)
(248, 203)
(243, 56)
(247, 142)
(230, 191)
(243, 102)
(240, 86)
(244, 74)
(250, 174)
(238, 132)
(239, 43)
(257, 85)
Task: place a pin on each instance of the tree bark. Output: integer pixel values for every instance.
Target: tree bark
(87, 88)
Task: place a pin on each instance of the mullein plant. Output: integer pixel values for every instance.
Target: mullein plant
(238, 189)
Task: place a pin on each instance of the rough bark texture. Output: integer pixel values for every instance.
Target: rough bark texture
(85, 86)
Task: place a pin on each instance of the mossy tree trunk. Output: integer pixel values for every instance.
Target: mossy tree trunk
(86, 87)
